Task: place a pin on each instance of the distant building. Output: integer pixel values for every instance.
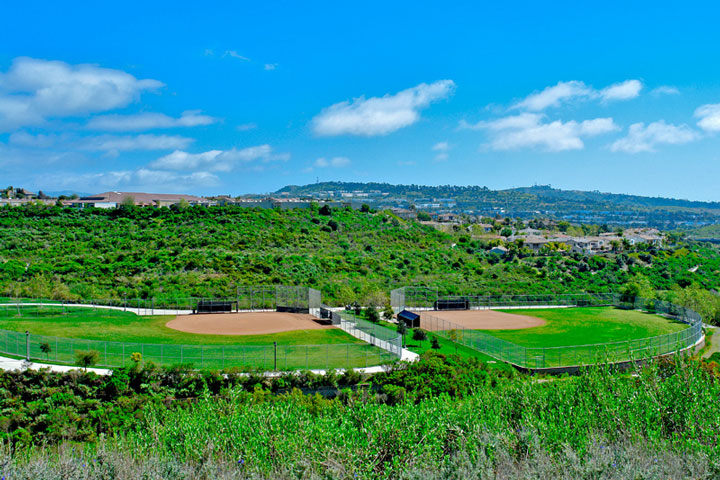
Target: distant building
(405, 214)
(114, 199)
(448, 218)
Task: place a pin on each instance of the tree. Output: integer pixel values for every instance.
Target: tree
(419, 334)
(388, 312)
(365, 208)
(402, 330)
(424, 216)
(372, 314)
(87, 358)
(506, 232)
(454, 337)
(325, 210)
(435, 343)
(45, 348)
(128, 201)
(183, 204)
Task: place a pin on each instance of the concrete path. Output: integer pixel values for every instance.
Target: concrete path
(136, 310)
(10, 364)
(714, 342)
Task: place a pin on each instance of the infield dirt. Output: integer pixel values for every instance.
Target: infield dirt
(476, 320)
(251, 323)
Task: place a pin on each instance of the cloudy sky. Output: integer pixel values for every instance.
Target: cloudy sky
(222, 97)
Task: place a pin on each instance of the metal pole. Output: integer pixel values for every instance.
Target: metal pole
(275, 356)
(27, 345)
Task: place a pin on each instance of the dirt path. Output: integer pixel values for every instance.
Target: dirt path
(714, 342)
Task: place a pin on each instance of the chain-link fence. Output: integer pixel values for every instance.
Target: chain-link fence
(266, 357)
(247, 298)
(382, 337)
(425, 298)
(575, 355)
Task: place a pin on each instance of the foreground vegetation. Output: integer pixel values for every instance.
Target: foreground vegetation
(438, 418)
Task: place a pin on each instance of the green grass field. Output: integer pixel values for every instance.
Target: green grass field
(586, 326)
(116, 334)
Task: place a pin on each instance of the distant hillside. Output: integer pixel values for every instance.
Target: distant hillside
(524, 202)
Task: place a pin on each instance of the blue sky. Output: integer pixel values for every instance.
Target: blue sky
(231, 98)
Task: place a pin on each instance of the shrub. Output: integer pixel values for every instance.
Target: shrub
(87, 358)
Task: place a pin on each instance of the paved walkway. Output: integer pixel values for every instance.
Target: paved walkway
(714, 342)
(136, 310)
(10, 364)
(15, 364)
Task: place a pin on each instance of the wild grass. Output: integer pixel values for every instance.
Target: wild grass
(660, 422)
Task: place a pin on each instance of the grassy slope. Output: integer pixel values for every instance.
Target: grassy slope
(585, 326)
(112, 325)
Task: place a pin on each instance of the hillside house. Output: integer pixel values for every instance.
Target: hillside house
(115, 199)
(499, 250)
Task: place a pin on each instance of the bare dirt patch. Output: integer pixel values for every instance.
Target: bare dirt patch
(250, 323)
(476, 320)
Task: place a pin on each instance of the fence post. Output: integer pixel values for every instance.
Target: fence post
(27, 345)
(274, 356)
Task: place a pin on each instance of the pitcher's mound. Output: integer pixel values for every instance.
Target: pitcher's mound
(250, 323)
(476, 320)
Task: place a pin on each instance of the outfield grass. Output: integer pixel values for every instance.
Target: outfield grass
(119, 326)
(586, 326)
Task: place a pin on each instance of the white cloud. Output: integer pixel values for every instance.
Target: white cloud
(33, 90)
(245, 127)
(216, 160)
(642, 138)
(622, 91)
(24, 139)
(149, 121)
(271, 66)
(234, 54)
(709, 116)
(121, 143)
(380, 115)
(100, 143)
(336, 162)
(528, 130)
(665, 90)
(442, 148)
(140, 179)
(554, 96)
(564, 92)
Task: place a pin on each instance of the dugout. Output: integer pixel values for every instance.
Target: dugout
(412, 320)
(215, 306)
(456, 303)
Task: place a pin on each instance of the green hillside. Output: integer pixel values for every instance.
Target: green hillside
(349, 255)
